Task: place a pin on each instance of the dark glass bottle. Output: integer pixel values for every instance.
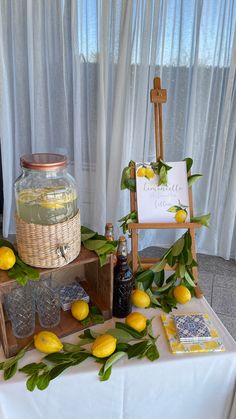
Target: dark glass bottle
(123, 282)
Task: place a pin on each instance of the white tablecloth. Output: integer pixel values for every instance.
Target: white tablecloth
(191, 386)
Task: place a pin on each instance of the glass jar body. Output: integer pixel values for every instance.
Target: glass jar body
(45, 196)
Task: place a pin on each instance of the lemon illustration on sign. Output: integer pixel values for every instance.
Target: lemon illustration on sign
(137, 321)
(140, 298)
(141, 172)
(47, 342)
(7, 258)
(80, 309)
(182, 294)
(180, 216)
(104, 346)
(149, 173)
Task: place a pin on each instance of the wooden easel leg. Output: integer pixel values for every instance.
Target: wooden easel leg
(134, 242)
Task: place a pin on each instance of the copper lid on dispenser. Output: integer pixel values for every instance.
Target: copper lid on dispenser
(43, 161)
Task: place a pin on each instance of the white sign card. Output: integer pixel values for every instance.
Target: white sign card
(161, 204)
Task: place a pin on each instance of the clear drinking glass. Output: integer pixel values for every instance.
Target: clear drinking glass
(47, 300)
(21, 311)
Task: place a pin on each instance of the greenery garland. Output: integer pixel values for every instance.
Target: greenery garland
(130, 344)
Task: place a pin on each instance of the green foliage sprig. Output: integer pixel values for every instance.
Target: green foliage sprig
(130, 344)
(160, 168)
(128, 219)
(10, 366)
(127, 182)
(20, 271)
(97, 243)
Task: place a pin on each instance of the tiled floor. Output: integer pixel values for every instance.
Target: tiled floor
(217, 279)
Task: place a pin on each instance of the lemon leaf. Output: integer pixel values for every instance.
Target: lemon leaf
(178, 246)
(58, 358)
(159, 266)
(202, 219)
(138, 349)
(189, 163)
(11, 371)
(182, 270)
(154, 301)
(58, 369)
(29, 369)
(152, 353)
(112, 360)
(159, 278)
(168, 285)
(193, 178)
(87, 236)
(189, 279)
(93, 244)
(174, 209)
(122, 336)
(31, 382)
(105, 376)
(43, 381)
(165, 165)
(130, 330)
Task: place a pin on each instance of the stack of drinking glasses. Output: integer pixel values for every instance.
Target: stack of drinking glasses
(22, 303)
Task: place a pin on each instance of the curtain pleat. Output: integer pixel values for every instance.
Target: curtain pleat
(75, 77)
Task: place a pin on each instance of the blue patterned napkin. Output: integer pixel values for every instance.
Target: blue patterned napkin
(191, 328)
(72, 292)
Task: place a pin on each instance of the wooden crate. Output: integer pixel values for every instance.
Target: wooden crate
(97, 282)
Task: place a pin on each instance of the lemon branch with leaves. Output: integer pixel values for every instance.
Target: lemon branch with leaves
(160, 290)
(159, 168)
(117, 343)
(98, 243)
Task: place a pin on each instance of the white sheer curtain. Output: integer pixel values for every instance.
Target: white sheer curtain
(75, 78)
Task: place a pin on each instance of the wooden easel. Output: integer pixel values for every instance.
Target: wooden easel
(159, 96)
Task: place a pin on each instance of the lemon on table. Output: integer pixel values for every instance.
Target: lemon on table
(140, 298)
(47, 342)
(7, 258)
(182, 294)
(104, 346)
(80, 309)
(181, 216)
(141, 172)
(137, 321)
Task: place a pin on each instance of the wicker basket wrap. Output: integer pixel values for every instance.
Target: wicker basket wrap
(48, 246)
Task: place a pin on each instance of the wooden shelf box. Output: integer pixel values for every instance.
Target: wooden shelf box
(97, 282)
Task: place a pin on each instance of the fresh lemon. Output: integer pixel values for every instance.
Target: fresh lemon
(47, 342)
(180, 216)
(149, 173)
(7, 258)
(182, 294)
(140, 298)
(80, 309)
(141, 172)
(104, 346)
(137, 321)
